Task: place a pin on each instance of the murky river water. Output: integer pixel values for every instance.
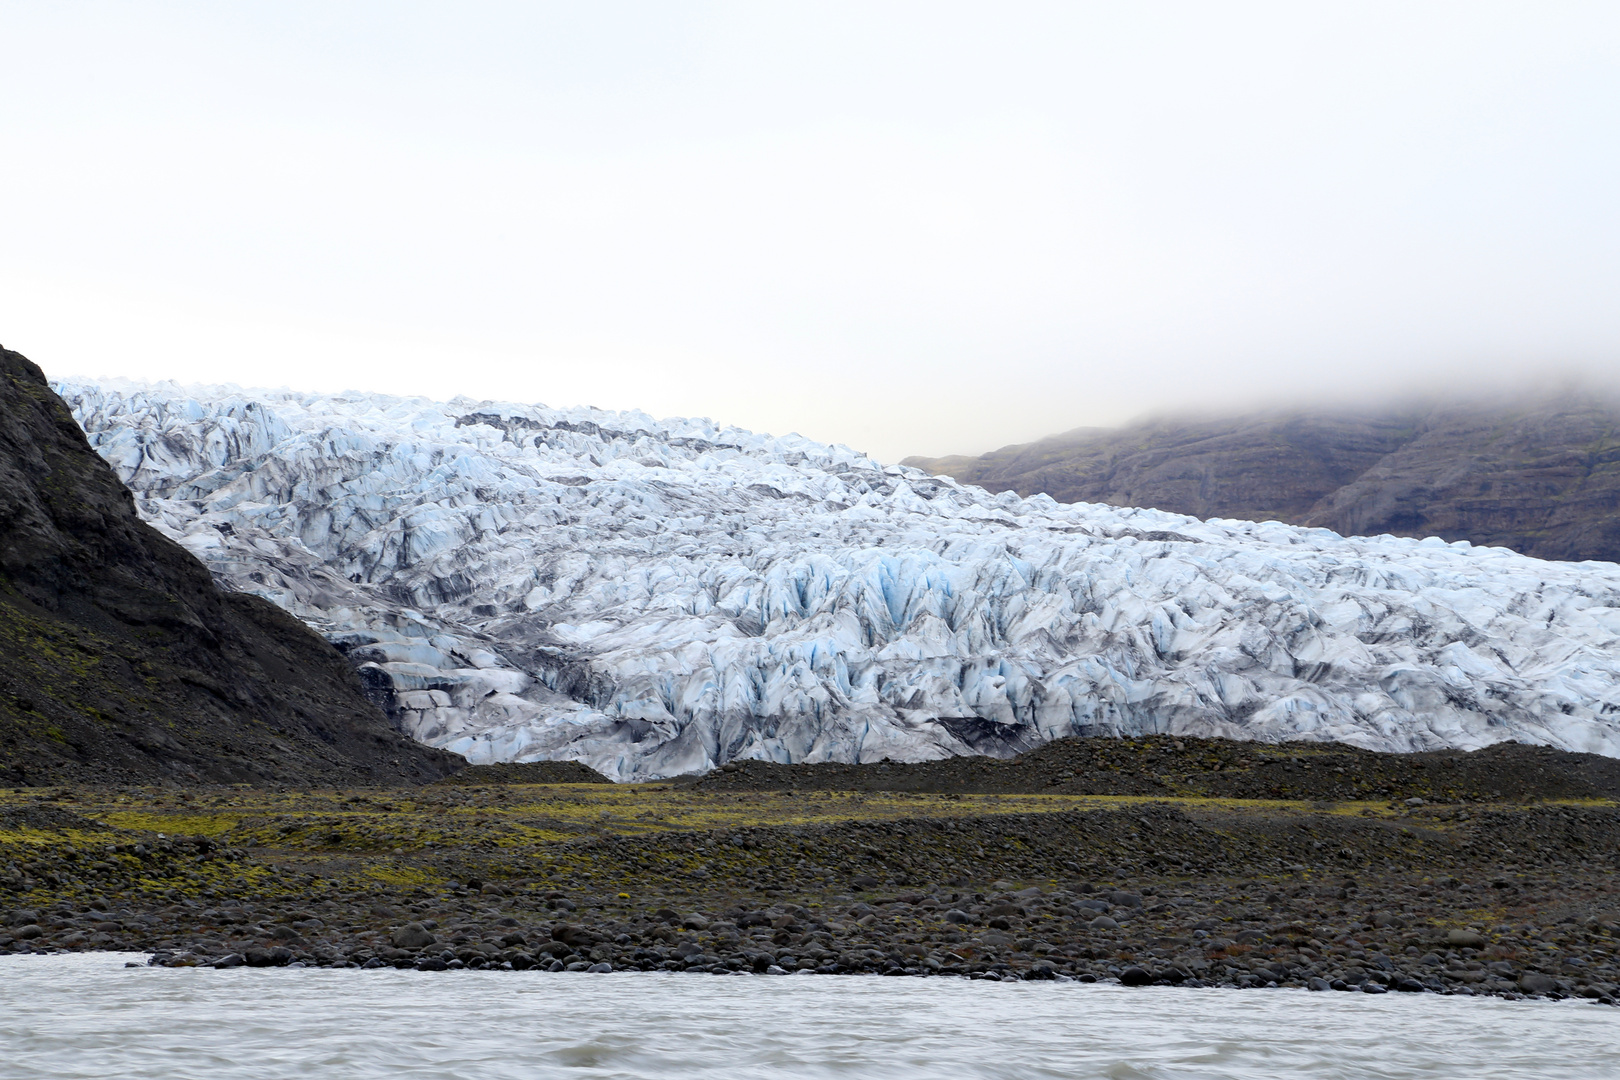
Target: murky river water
(89, 1016)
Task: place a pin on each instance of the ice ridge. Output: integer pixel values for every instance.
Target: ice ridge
(655, 597)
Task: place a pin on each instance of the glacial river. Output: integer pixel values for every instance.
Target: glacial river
(66, 1017)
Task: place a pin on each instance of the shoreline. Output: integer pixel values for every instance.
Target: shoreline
(188, 962)
(1504, 900)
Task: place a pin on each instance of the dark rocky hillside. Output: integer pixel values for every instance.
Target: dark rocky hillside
(1542, 477)
(1166, 766)
(121, 660)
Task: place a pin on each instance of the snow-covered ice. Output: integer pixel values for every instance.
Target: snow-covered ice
(653, 597)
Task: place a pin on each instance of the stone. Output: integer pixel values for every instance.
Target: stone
(575, 937)
(230, 960)
(1103, 922)
(1318, 984)
(599, 969)
(413, 936)
(1533, 982)
(1465, 939)
(28, 932)
(1135, 976)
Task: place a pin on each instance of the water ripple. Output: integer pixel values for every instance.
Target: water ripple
(88, 1017)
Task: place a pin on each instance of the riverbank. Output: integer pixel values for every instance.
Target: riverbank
(1504, 899)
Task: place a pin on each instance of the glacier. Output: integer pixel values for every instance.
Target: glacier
(656, 597)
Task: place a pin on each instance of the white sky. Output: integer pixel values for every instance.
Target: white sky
(914, 228)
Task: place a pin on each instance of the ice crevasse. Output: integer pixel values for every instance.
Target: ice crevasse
(655, 597)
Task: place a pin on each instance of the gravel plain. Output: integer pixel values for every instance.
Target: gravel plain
(725, 875)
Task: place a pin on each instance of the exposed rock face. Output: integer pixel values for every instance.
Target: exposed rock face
(655, 597)
(1542, 478)
(121, 660)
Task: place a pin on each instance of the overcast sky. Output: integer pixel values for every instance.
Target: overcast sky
(913, 228)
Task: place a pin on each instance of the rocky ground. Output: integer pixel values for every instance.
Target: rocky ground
(708, 876)
(1223, 768)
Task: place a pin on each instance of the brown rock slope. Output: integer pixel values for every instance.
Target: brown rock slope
(120, 659)
(1542, 477)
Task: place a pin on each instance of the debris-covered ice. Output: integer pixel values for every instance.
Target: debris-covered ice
(654, 597)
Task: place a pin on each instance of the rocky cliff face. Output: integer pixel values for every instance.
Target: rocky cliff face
(1542, 478)
(121, 660)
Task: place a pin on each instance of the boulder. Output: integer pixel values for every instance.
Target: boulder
(1533, 982)
(413, 936)
(272, 957)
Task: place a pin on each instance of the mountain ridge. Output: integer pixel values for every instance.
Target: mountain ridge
(1541, 477)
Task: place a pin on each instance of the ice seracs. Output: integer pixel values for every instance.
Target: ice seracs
(654, 597)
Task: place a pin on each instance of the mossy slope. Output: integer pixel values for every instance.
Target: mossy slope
(121, 660)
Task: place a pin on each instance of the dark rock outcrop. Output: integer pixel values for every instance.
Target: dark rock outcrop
(1540, 477)
(121, 660)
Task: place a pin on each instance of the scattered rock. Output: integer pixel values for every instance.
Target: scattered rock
(413, 936)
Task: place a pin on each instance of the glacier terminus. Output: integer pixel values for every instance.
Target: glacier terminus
(656, 597)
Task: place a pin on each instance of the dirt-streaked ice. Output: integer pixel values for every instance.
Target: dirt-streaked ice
(654, 597)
